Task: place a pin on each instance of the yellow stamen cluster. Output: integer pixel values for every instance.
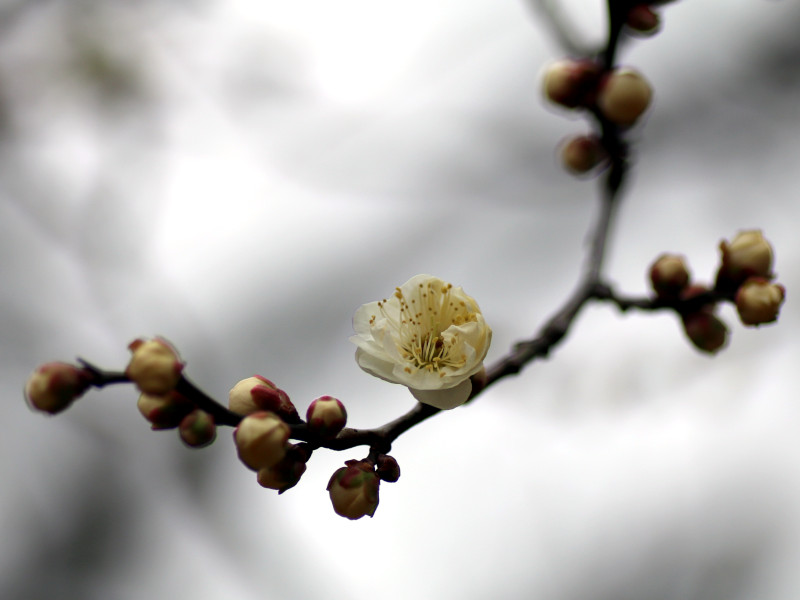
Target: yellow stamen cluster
(419, 327)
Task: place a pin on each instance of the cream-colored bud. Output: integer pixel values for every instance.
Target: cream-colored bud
(706, 331)
(53, 386)
(759, 301)
(624, 96)
(643, 20)
(261, 440)
(669, 275)
(154, 367)
(164, 411)
(354, 490)
(326, 416)
(285, 474)
(240, 398)
(582, 153)
(749, 254)
(571, 83)
(258, 393)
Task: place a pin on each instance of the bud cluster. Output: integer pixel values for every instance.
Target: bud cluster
(616, 96)
(354, 488)
(258, 393)
(744, 277)
(262, 436)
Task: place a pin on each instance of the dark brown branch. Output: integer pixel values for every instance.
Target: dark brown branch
(679, 305)
(222, 416)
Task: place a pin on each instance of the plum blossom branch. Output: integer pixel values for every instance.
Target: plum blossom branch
(430, 336)
(589, 287)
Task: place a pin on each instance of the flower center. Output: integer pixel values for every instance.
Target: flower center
(423, 319)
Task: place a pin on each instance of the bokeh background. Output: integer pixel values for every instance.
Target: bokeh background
(240, 176)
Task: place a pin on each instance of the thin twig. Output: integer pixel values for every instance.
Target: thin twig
(565, 34)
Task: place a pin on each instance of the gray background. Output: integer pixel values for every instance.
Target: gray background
(240, 176)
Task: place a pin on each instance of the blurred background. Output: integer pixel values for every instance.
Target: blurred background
(240, 176)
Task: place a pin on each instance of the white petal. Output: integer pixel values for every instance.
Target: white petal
(374, 365)
(444, 399)
(361, 320)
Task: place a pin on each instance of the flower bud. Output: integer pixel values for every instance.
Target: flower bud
(624, 96)
(164, 411)
(326, 416)
(707, 332)
(53, 386)
(261, 440)
(258, 393)
(154, 367)
(387, 468)
(749, 254)
(759, 301)
(287, 472)
(197, 429)
(669, 275)
(354, 490)
(571, 83)
(581, 154)
(643, 20)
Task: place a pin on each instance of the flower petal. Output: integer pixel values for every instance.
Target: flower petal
(445, 399)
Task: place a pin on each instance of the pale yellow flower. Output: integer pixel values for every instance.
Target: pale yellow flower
(429, 336)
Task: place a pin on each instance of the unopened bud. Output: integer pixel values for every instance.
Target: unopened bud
(285, 474)
(197, 429)
(669, 275)
(749, 254)
(643, 20)
(261, 440)
(571, 83)
(581, 154)
(258, 393)
(354, 490)
(705, 330)
(53, 386)
(326, 416)
(165, 411)
(154, 367)
(759, 301)
(387, 468)
(624, 96)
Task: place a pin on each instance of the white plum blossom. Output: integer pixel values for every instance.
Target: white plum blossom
(429, 336)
